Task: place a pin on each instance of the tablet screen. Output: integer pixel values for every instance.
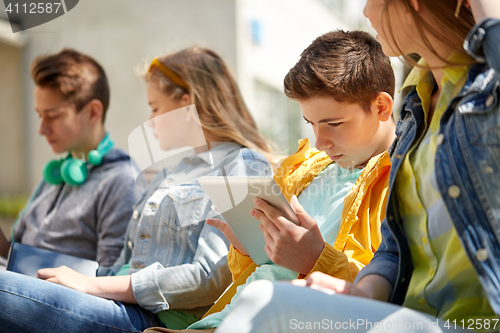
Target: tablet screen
(233, 197)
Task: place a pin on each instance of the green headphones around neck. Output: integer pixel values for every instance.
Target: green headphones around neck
(73, 171)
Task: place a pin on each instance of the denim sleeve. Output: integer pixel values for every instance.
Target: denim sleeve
(187, 286)
(385, 261)
(483, 42)
(118, 194)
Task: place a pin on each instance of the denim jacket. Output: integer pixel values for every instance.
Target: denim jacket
(467, 166)
(177, 261)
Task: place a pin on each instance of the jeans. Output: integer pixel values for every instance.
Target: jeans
(282, 307)
(33, 305)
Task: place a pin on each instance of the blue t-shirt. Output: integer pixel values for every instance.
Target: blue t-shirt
(323, 199)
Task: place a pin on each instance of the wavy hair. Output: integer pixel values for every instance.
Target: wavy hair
(215, 93)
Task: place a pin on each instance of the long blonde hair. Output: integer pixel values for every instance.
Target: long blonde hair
(455, 29)
(214, 92)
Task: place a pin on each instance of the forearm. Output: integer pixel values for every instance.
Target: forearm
(4, 245)
(186, 286)
(375, 287)
(190, 285)
(117, 288)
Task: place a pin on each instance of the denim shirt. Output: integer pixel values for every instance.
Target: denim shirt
(467, 166)
(177, 261)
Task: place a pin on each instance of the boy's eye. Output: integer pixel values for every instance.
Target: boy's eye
(49, 118)
(308, 122)
(334, 124)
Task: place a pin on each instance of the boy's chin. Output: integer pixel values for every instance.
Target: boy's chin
(59, 150)
(350, 164)
(345, 165)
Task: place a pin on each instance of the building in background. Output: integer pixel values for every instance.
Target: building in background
(12, 121)
(260, 39)
(272, 34)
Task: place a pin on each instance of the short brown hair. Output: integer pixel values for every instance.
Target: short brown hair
(77, 77)
(346, 65)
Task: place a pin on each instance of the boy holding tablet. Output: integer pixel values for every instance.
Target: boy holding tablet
(345, 86)
(83, 205)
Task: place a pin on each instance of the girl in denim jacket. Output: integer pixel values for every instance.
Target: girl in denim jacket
(440, 253)
(173, 265)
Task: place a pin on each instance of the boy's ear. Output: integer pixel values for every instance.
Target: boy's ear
(383, 104)
(96, 109)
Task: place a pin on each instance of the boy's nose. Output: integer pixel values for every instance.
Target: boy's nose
(323, 143)
(43, 129)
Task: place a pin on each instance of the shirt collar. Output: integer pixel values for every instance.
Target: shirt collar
(417, 74)
(420, 72)
(455, 73)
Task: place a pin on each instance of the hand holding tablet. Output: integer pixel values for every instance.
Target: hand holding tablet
(234, 199)
(295, 247)
(226, 230)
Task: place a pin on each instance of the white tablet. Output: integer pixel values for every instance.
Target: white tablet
(233, 197)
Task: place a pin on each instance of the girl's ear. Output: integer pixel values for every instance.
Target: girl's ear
(186, 100)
